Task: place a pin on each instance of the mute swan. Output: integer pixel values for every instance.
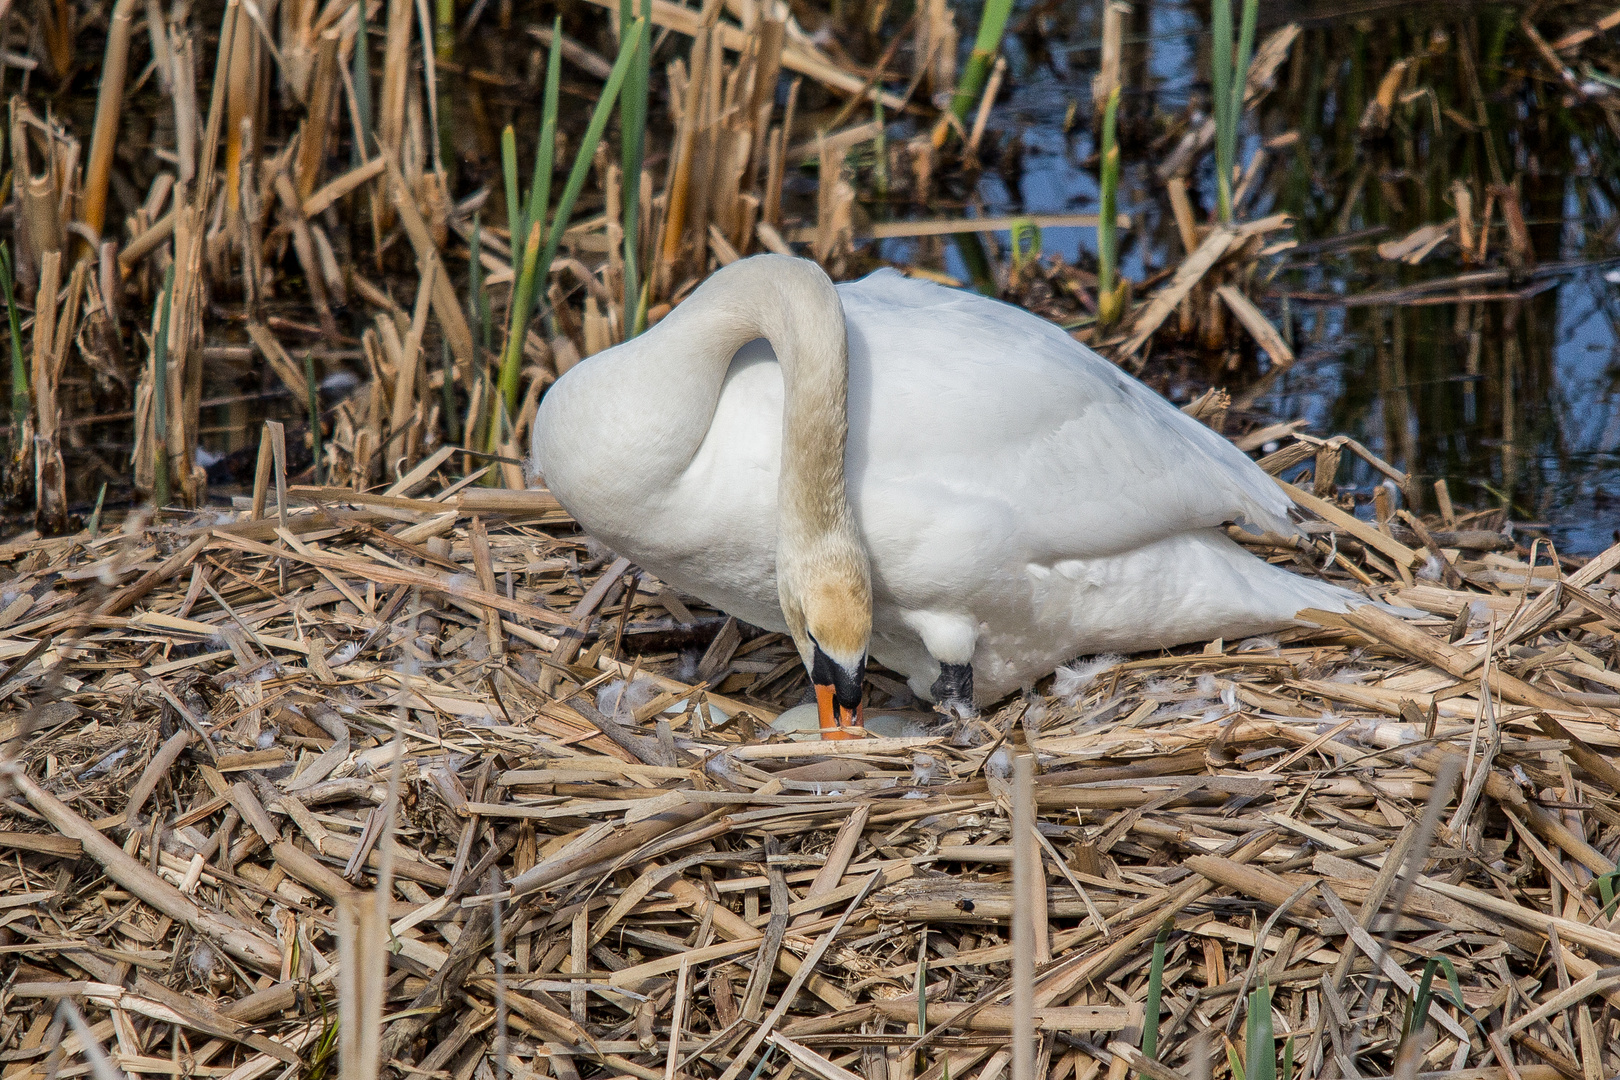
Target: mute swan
(966, 492)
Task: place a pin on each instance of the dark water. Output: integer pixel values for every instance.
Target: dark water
(1513, 402)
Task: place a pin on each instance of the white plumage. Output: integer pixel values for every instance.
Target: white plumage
(1021, 500)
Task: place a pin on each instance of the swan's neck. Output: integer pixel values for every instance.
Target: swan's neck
(666, 386)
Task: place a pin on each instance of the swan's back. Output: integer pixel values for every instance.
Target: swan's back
(1003, 411)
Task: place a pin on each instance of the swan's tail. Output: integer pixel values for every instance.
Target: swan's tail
(1324, 596)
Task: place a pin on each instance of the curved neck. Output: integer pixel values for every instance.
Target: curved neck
(672, 377)
(668, 384)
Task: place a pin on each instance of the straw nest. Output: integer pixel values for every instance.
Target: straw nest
(605, 863)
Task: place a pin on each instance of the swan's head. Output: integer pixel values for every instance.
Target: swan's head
(829, 614)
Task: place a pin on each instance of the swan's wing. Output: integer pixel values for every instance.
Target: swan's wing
(982, 417)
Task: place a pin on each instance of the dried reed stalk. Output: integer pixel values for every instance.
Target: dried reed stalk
(242, 83)
(317, 125)
(396, 72)
(109, 111)
(304, 245)
(50, 506)
(42, 194)
(406, 413)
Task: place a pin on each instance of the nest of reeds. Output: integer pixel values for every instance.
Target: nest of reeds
(373, 740)
(1370, 844)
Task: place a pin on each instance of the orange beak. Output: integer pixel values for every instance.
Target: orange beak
(836, 720)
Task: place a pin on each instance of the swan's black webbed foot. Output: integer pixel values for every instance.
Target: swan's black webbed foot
(953, 690)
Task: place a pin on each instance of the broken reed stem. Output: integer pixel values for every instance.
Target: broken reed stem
(109, 110)
(1028, 883)
(363, 106)
(317, 123)
(396, 70)
(242, 82)
(160, 388)
(53, 334)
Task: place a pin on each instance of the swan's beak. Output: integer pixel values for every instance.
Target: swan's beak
(838, 695)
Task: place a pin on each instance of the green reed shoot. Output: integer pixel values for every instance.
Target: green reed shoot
(95, 515)
(362, 89)
(160, 388)
(1155, 994)
(992, 22)
(1417, 1009)
(1260, 1041)
(1230, 79)
(1110, 291)
(1025, 240)
(545, 151)
(444, 29)
(477, 303)
(593, 135)
(536, 267)
(632, 150)
(521, 212)
(1259, 1060)
(448, 390)
(314, 412)
(509, 172)
(20, 396)
(506, 399)
(1605, 887)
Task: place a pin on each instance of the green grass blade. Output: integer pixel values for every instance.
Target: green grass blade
(536, 266)
(362, 88)
(514, 209)
(477, 303)
(922, 984)
(314, 412)
(1220, 63)
(992, 23)
(444, 29)
(1025, 237)
(1418, 1009)
(1233, 1061)
(1262, 1039)
(587, 146)
(20, 394)
(545, 149)
(633, 149)
(1288, 1059)
(95, 515)
(1240, 80)
(506, 398)
(1452, 984)
(1155, 994)
(448, 392)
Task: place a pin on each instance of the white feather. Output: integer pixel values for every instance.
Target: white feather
(1017, 494)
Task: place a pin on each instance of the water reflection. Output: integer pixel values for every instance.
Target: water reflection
(1511, 401)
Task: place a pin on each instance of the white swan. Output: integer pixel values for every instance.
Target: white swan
(1013, 500)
